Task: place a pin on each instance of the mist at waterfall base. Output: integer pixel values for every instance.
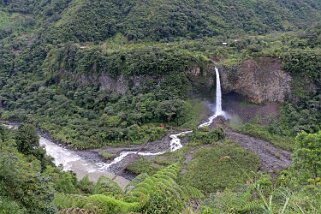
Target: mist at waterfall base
(211, 106)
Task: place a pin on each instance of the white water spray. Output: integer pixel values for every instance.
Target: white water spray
(125, 154)
(175, 142)
(218, 105)
(218, 109)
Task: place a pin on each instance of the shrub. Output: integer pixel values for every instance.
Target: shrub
(106, 155)
(207, 137)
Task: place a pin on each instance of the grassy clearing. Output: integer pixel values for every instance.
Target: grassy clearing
(219, 167)
(256, 130)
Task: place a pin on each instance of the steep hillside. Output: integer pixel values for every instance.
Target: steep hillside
(123, 80)
(84, 20)
(104, 66)
(166, 20)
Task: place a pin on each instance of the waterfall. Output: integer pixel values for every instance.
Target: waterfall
(218, 109)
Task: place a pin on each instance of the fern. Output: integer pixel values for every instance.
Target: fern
(154, 194)
(108, 187)
(192, 192)
(96, 203)
(161, 194)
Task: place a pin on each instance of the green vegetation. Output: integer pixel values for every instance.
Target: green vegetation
(266, 133)
(27, 139)
(296, 190)
(159, 193)
(94, 73)
(26, 187)
(168, 190)
(120, 105)
(207, 137)
(92, 21)
(267, 198)
(4, 19)
(220, 166)
(307, 154)
(142, 166)
(118, 88)
(299, 55)
(106, 155)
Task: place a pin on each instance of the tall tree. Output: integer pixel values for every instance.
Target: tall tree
(27, 139)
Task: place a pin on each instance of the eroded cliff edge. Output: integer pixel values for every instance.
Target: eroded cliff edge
(260, 80)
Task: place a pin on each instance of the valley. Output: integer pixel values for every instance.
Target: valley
(163, 107)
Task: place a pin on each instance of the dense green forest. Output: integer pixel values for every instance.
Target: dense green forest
(92, 21)
(96, 73)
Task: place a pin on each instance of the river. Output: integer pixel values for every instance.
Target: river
(69, 160)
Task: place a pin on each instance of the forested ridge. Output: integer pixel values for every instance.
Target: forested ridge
(97, 73)
(84, 21)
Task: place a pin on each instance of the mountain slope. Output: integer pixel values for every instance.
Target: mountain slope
(157, 20)
(130, 87)
(168, 19)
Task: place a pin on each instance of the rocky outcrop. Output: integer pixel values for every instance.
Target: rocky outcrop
(259, 80)
(202, 79)
(119, 85)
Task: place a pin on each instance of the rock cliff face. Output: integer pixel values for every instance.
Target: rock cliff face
(259, 80)
(202, 80)
(119, 85)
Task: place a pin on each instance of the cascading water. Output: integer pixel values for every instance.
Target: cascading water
(218, 110)
(218, 105)
(175, 144)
